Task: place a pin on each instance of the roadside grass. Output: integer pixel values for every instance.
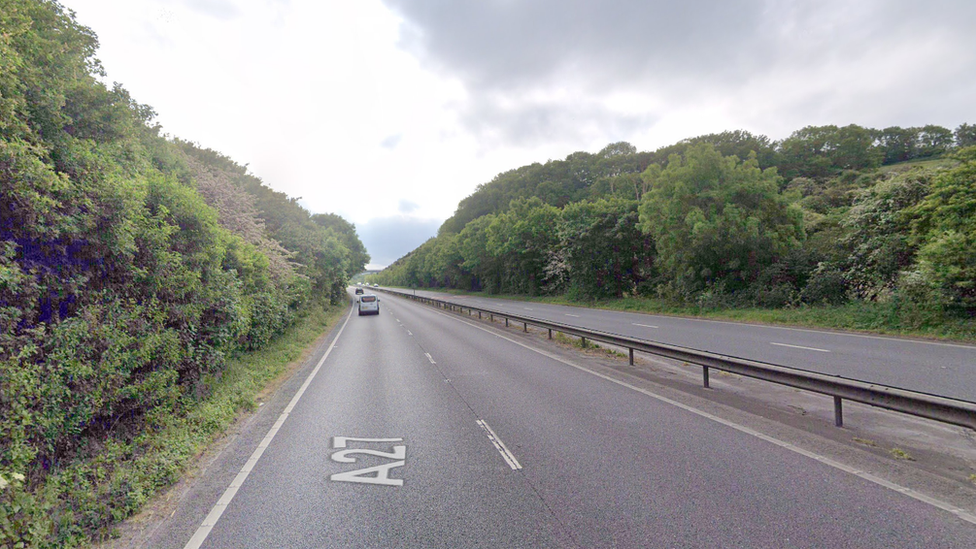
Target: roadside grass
(888, 318)
(86, 498)
(927, 164)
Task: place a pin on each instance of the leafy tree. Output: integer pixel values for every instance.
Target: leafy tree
(740, 143)
(934, 141)
(346, 232)
(898, 144)
(879, 230)
(717, 221)
(130, 266)
(484, 267)
(821, 151)
(945, 228)
(604, 250)
(965, 136)
(520, 239)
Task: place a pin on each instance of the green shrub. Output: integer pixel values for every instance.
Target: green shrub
(826, 285)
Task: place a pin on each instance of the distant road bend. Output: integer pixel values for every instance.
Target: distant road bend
(423, 429)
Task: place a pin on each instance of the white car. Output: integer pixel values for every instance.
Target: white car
(369, 304)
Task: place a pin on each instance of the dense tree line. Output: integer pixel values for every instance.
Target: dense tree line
(827, 215)
(131, 266)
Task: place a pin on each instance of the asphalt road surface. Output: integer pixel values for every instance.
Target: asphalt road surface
(943, 369)
(423, 429)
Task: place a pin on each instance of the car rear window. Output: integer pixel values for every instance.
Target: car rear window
(368, 298)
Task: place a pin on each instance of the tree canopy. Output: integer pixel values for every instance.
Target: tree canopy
(131, 267)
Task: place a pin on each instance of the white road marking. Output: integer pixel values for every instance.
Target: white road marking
(507, 455)
(382, 474)
(218, 509)
(340, 442)
(574, 316)
(528, 309)
(382, 471)
(833, 333)
(409, 333)
(430, 358)
(342, 456)
(799, 347)
(960, 513)
(644, 325)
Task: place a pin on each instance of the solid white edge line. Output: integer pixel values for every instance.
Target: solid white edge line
(218, 509)
(960, 513)
(507, 454)
(799, 347)
(643, 325)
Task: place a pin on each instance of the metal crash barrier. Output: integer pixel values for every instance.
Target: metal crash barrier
(946, 410)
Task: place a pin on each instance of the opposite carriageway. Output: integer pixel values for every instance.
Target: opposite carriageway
(946, 410)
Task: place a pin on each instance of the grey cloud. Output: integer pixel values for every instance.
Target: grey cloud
(390, 238)
(509, 53)
(510, 44)
(530, 122)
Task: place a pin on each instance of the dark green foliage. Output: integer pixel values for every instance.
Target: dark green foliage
(717, 221)
(822, 151)
(131, 267)
(878, 229)
(826, 285)
(605, 253)
(965, 136)
(718, 231)
(347, 235)
(520, 239)
(944, 226)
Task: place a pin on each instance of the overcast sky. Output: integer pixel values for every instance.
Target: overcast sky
(390, 112)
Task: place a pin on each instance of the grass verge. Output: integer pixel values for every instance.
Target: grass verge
(82, 501)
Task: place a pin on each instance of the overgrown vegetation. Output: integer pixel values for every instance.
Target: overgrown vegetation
(133, 270)
(859, 221)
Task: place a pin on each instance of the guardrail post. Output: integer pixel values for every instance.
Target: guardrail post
(838, 412)
(631, 356)
(550, 333)
(479, 315)
(705, 375)
(491, 317)
(583, 342)
(506, 322)
(525, 326)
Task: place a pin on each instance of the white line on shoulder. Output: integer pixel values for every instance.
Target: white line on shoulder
(960, 513)
(799, 347)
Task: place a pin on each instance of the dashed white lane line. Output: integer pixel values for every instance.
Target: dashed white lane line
(218, 509)
(430, 358)
(644, 325)
(528, 309)
(962, 514)
(574, 316)
(799, 347)
(507, 455)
